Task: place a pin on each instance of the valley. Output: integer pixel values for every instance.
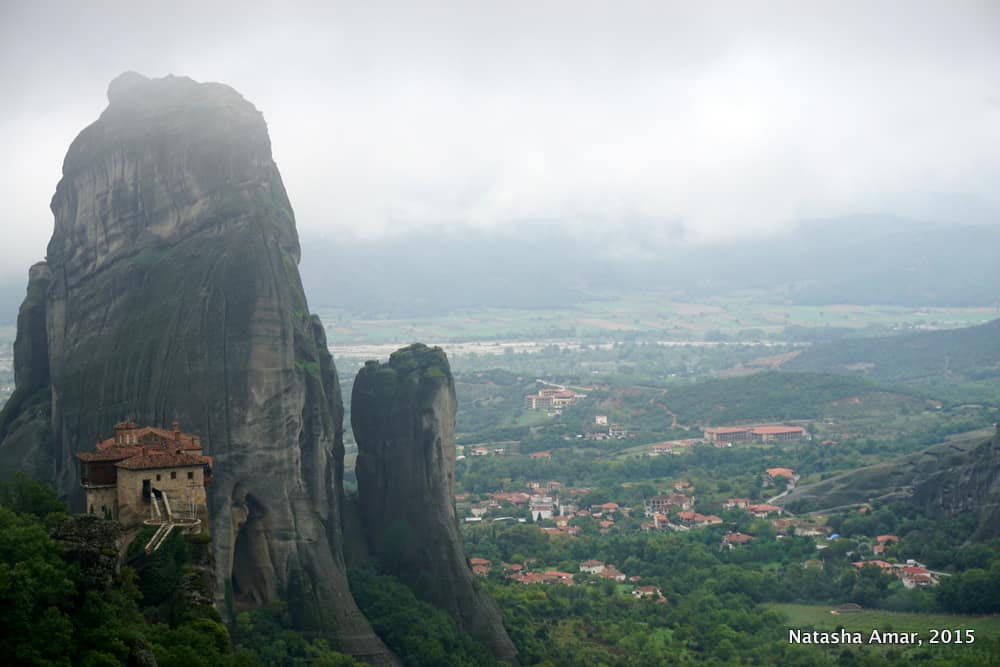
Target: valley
(546, 496)
(500, 335)
(595, 504)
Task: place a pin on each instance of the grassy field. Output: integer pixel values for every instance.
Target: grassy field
(820, 618)
(644, 314)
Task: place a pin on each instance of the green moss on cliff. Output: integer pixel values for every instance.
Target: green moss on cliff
(407, 367)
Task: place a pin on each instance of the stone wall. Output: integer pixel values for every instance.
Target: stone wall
(102, 499)
(133, 508)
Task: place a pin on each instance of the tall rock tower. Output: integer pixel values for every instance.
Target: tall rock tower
(171, 291)
(403, 416)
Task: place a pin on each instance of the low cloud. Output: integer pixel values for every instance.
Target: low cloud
(632, 122)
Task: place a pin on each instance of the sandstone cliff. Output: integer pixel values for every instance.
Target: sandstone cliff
(171, 291)
(403, 416)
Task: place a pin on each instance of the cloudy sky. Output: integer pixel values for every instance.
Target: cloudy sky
(608, 119)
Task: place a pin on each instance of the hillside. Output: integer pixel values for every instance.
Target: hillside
(764, 396)
(958, 355)
(945, 480)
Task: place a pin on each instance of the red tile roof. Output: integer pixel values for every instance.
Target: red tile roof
(151, 461)
(764, 507)
(135, 448)
(150, 435)
(112, 454)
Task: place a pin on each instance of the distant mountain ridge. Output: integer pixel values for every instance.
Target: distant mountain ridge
(862, 260)
(858, 259)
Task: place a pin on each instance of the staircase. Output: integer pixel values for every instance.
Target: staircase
(164, 517)
(159, 537)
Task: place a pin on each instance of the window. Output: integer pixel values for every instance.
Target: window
(190, 474)
(157, 478)
(173, 474)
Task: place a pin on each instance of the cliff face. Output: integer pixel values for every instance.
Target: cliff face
(25, 433)
(403, 416)
(970, 484)
(171, 291)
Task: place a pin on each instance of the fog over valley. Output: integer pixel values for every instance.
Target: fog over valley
(624, 127)
(509, 334)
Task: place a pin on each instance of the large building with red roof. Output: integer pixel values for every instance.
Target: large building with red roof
(733, 434)
(551, 399)
(146, 474)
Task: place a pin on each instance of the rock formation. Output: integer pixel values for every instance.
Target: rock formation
(403, 416)
(171, 291)
(960, 477)
(93, 545)
(969, 484)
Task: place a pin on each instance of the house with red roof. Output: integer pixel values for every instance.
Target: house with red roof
(775, 473)
(763, 510)
(612, 573)
(880, 564)
(147, 474)
(558, 577)
(514, 498)
(480, 566)
(731, 540)
(913, 576)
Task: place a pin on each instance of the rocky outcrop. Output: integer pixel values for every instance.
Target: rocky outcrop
(956, 478)
(969, 485)
(403, 416)
(93, 544)
(171, 291)
(25, 431)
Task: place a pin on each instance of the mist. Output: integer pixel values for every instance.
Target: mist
(627, 126)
